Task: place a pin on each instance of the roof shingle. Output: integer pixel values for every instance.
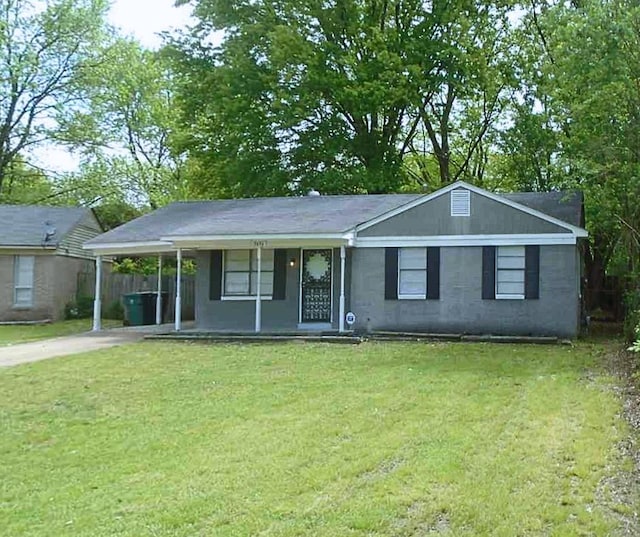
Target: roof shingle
(25, 225)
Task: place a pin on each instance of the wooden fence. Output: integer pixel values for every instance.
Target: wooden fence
(115, 285)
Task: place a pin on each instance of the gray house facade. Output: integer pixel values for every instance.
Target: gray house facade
(459, 260)
(41, 255)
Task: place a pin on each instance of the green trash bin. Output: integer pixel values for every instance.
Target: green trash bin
(133, 309)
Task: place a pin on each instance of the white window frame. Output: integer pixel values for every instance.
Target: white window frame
(405, 296)
(511, 296)
(251, 271)
(460, 195)
(17, 262)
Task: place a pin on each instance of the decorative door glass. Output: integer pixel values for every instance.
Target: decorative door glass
(316, 286)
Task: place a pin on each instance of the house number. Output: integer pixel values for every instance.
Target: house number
(259, 244)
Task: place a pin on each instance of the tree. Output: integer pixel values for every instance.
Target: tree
(577, 123)
(44, 49)
(304, 95)
(126, 122)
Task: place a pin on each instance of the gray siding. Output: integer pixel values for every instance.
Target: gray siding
(461, 308)
(488, 217)
(85, 230)
(276, 314)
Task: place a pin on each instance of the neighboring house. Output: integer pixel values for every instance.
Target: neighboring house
(40, 256)
(459, 260)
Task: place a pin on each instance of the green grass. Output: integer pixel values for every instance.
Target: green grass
(157, 439)
(10, 334)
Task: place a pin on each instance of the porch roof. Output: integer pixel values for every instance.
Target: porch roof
(310, 218)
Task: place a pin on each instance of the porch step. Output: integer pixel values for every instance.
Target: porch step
(256, 338)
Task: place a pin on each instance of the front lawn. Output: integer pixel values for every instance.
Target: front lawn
(21, 333)
(158, 439)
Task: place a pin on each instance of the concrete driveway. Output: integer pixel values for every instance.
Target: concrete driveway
(35, 351)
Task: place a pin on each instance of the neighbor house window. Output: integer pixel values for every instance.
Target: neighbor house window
(412, 273)
(241, 273)
(23, 281)
(510, 268)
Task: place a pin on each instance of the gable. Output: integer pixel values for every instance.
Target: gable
(87, 228)
(487, 217)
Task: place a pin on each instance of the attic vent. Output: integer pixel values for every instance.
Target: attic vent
(460, 202)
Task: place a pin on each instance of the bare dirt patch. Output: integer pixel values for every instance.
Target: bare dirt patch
(623, 487)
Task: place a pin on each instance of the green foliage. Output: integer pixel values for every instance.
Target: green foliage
(45, 47)
(125, 126)
(301, 95)
(114, 311)
(81, 308)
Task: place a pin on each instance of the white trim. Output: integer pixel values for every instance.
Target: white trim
(412, 297)
(97, 299)
(36, 249)
(300, 258)
(18, 262)
(467, 240)
(159, 293)
(341, 306)
(244, 298)
(509, 297)
(577, 231)
(258, 287)
(178, 309)
(143, 245)
(258, 236)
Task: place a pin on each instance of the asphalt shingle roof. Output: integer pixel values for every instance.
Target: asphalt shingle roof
(321, 214)
(25, 225)
(565, 206)
(310, 214)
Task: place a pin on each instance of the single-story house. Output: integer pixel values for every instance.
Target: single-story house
(458, 260)
(41, 255)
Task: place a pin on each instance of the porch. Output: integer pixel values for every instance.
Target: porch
(277, 287)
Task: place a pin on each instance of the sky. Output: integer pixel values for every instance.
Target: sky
(143, 19)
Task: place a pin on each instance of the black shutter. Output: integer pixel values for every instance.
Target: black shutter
(215, 275)
(532, 272)
(488, 272)
(391, 274)
(279, 274)
(433, 273)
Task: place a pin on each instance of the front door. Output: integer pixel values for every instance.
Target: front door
(316, 286)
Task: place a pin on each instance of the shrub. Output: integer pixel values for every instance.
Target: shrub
(81, 308)
(114, 311)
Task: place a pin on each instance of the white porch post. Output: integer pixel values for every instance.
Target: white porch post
(159, 295)
(97, 301)
(343, 255)
(259, 292)
(178, 312)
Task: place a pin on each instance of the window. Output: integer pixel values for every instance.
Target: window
(510, 269)
(23, 281)
(460, 202)
(241, 273)
(412, 273)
